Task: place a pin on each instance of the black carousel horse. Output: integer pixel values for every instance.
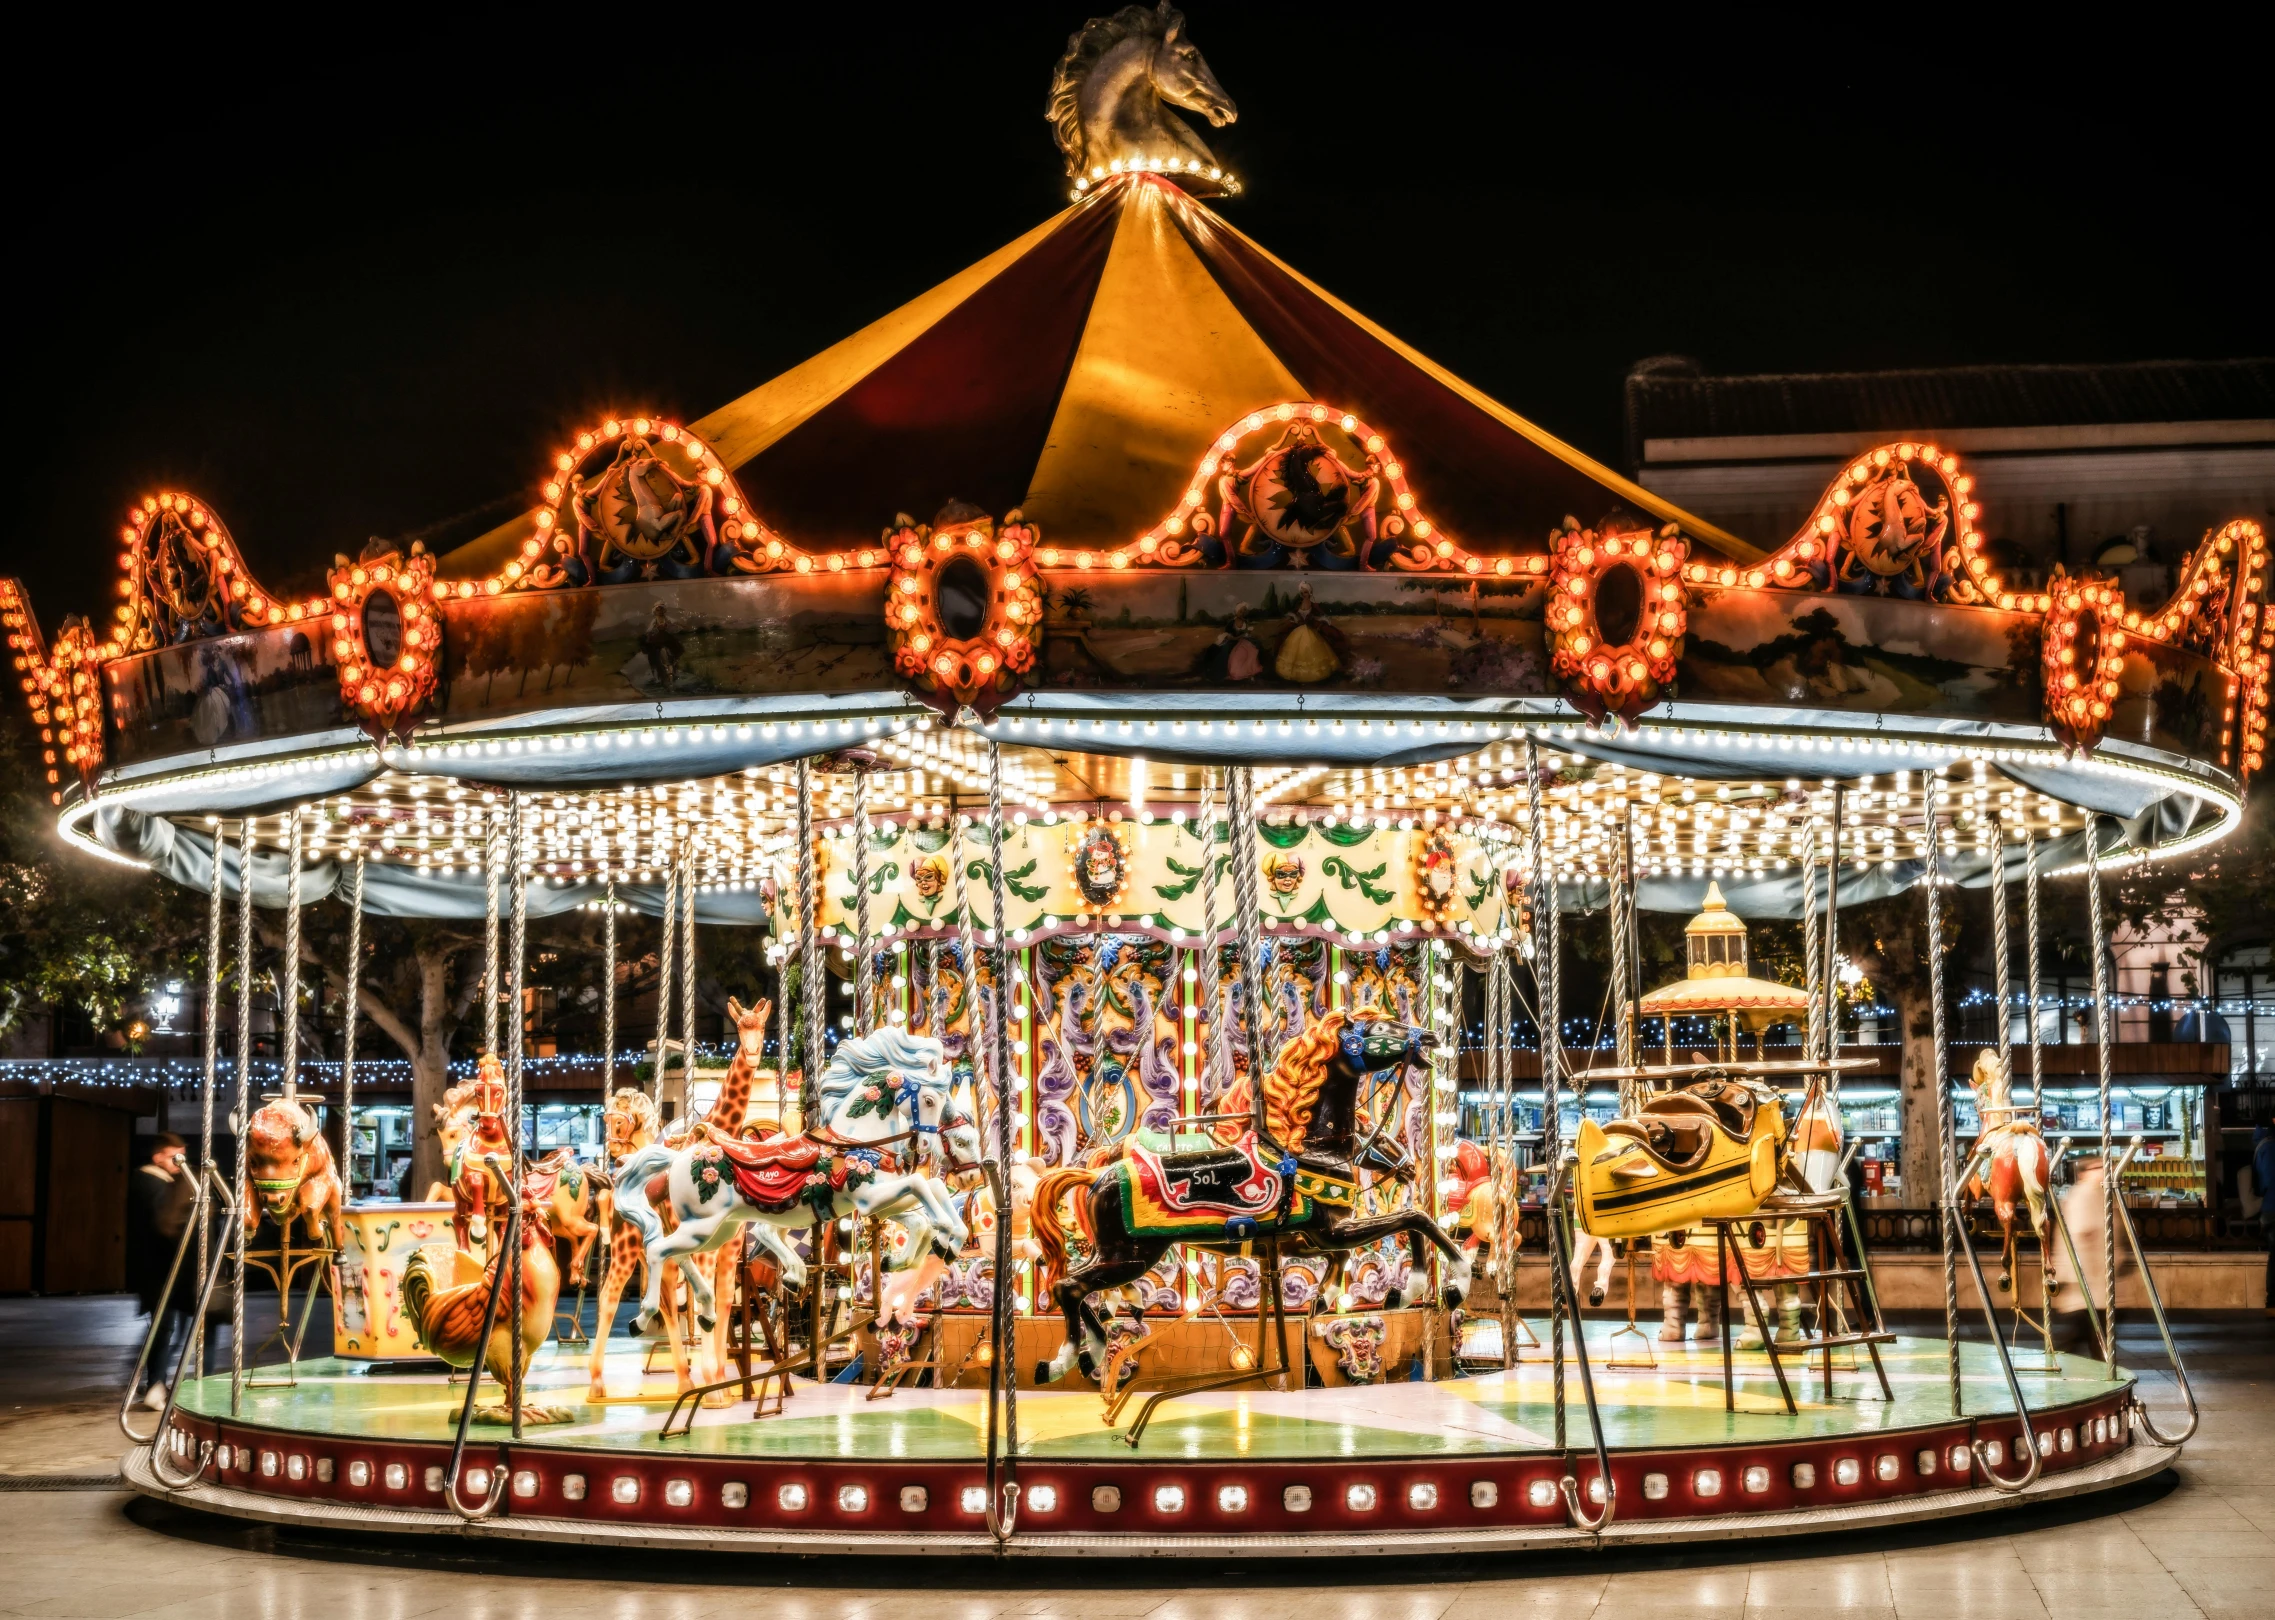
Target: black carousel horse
(1295, 1184)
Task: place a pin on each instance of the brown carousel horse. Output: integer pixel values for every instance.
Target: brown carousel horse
(476, 1144)
(290, 1167)
(1296, 1180)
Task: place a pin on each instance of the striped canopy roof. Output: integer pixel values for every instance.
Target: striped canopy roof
(1083, 371)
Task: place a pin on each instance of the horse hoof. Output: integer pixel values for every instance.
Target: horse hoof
(705, 1323)
(1043, 1372)
(1595, 1296)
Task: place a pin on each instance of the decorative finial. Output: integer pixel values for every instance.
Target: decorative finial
(1109, 97)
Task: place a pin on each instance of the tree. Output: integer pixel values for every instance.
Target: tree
(77, 931)
(1887, 940)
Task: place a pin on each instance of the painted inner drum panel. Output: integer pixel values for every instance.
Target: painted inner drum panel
(1352, 633)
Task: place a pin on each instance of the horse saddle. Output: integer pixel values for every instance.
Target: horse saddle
(541, 1180)
(771, 1173)
(1210, 1187)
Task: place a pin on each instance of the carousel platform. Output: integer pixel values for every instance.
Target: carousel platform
(1465, 1464)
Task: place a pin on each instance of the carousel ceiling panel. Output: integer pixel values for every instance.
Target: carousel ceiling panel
(423, 834)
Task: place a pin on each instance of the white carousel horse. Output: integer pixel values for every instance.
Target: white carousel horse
(2019, 1170)
(879, 1091)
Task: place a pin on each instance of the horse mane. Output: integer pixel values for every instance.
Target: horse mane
(1291, 1090)
(635, 1102)
(1099, 35)
(858, 1062)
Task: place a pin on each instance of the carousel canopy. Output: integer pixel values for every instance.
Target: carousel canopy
(1128, 500)
(1080, 373)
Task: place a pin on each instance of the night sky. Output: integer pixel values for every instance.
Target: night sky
(360, 280)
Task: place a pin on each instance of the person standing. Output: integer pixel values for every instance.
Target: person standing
(160, 1201)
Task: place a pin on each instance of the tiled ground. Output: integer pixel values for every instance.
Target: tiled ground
(2201, 1542)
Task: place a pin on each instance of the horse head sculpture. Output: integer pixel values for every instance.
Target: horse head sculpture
(1107, 99)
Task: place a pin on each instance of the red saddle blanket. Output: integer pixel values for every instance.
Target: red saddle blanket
(771, 1174)
(1207, 1188)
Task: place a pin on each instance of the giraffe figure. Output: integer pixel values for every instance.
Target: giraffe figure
(727, 1116)
(630, 1122)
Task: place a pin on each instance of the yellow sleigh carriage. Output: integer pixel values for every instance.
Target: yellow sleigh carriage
(1714, 1148)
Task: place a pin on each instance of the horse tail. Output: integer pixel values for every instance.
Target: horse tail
(1043, 1211)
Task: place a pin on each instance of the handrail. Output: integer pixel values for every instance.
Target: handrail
(158, 1467)
(1559, 1257)
(2061, 1151)
(190, 1229)
(2027, 1440)
(2156, 1308)
(505, 1233)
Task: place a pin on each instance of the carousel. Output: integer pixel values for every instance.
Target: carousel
(1138, 695)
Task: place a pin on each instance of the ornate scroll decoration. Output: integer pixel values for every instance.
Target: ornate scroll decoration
(2083, 657)
(1616, 617)
(68, 712)
(637, 498)
(386, 636)
(1110, 95)
(1898, 520)
(184, 577)
(963, 613)
(1298, 497)
(1315, 491)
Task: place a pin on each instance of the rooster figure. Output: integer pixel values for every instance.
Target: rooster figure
(444, 1292)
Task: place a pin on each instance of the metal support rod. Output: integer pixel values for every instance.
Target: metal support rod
(607, 1008)
(1953, 1235)
(2102, 1033)
(2000, 952)
(1548, 1005)
(687, 967)
(1833, 941)
(2164, 1328)
(2026, 1442)
(864, 949)
(1813, 1037)
(967, 923)
(288, 971)
(1211, 951)
(816, 988)
(492, 830)
(241, 1118)
(200, 1210)
(518, 876)
(667, 947)
(347, 1033)
(1560, 1275)
(1248, 920)
(1003, 1368)
(2030, 918)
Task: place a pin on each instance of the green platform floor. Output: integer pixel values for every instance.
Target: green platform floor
(1678, 1404)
